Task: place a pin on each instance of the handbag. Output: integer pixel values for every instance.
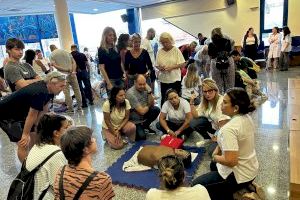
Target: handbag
(169, 141)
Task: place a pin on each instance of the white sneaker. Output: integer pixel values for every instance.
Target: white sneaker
(203, 142)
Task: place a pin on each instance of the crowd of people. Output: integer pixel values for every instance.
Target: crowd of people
(209, 92)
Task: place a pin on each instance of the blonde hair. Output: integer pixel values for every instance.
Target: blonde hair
(211, 84)
(168, 36)
(106, 31)
(192, 78)
(136, 36)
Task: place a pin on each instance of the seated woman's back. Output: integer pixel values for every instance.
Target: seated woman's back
(73, 178)
(181, 193)
(79, 179)
(172, 175)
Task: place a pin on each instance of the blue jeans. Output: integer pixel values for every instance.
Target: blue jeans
(217, 187)
(150, 116)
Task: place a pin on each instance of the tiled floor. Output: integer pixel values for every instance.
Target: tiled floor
(271, 143)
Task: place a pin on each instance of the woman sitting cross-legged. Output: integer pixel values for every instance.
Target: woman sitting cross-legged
(234, 163)
(49, 130)
(208, 117)
(175, 116)
(78, 146)
(116, 114)
(172, 175)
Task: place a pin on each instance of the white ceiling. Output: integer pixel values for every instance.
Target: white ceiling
(28, 7)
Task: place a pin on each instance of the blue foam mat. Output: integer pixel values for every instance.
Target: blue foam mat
(147, 179)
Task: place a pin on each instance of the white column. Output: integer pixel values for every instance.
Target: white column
(63, 24)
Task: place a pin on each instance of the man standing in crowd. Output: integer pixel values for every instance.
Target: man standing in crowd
(146, 44)
(21, 110)
(17, 74)
(143, 111)
(64, 63)
(201, 39)
(83, 75)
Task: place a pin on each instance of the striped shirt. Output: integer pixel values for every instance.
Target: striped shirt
(99, 188)
(46, 175)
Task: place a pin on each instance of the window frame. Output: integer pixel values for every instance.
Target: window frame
(262, 17)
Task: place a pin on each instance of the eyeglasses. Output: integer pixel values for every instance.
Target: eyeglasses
(208, 91)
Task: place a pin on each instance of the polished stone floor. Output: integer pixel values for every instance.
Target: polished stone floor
(271, 143)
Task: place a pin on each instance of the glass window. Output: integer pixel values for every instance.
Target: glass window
(160, 25)
(89, 28)
(273, 13)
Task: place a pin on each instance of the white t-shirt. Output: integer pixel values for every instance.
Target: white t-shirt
(46, 175)
(196, 192)
(116, 116)
(238, 135)
(214, 116)
(187, 92)
(288, 40)
(176, 116)
(169, 58)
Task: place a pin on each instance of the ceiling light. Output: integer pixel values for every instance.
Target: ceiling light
(95, 9)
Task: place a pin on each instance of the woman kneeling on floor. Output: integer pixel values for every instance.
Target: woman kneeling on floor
(234, 163)
(116, 115)
(175, 116)
(208, 117)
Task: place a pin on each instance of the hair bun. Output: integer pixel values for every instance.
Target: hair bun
(168, 176)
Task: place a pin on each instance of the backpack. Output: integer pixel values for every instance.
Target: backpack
(80, 190)
(222, 62)
(22, 187)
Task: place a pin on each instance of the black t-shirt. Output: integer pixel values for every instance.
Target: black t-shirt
(80, 59)
(112, 63)
(16, 106)
(139, 65)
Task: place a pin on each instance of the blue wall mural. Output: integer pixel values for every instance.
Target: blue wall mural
(31, 28)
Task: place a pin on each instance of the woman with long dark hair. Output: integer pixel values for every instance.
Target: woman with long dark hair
(122, 45)
(234, 162)
(49, 131)
(285, 49)
(250, 44)
(116, 115)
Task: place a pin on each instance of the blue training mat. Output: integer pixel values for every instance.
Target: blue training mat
(147, 179)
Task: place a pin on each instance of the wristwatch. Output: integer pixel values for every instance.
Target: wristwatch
(168, 131)
(150, 92)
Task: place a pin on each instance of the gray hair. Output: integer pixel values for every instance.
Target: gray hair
(54, 77)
